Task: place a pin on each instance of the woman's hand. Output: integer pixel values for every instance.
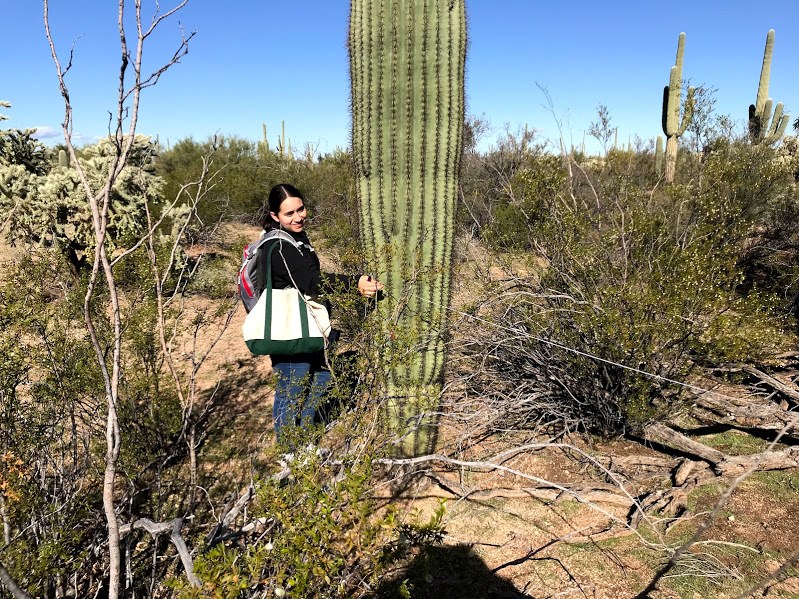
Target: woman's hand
(367, 286)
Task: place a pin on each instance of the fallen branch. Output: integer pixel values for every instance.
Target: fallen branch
(721, 462)
(708, 521)
(173, 527)
(547, 492)
(219, 532)
(749, 414)
(663, 435)
(789, 391)
(230, 515)
(767, 460)
(563, 490)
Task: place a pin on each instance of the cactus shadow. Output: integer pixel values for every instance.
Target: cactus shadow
(450, 571)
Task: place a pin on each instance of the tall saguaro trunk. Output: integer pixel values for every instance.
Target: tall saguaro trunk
(673, 127)
(407, 62)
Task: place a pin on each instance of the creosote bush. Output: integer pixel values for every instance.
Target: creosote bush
(638, 288)
(320, 535)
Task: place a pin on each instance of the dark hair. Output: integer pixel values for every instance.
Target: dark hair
(278, 193)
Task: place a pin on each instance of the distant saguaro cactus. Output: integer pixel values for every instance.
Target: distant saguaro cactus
(265, 140)
(673, 127)
(282, 148)
(763, 127)
(407, 75)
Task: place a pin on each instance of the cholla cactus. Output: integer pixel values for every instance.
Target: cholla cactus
(407, 74)
(49, 203)
(4, 104)
(763, 127)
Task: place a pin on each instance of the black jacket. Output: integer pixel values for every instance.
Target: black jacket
(303, 267)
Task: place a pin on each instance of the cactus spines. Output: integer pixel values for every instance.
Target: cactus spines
(407, 91)
(673, 126)
(63, 159)
(763, 127)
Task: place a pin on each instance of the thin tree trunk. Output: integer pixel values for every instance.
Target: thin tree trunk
(6, 523)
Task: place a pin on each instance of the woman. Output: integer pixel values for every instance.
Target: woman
(301, 378)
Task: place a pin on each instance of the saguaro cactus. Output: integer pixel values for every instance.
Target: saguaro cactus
(673, 127)
(407, 74)
(265, 140)
(282, 148)
(763, 128)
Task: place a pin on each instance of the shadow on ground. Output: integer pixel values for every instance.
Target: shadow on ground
(448, 572)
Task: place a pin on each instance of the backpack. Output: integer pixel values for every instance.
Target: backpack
(246, 279)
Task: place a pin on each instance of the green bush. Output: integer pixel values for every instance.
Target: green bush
(321, 536)
(50, 394)
(535, 188)
(638, 289)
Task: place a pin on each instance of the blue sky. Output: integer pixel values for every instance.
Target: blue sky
(269, 61)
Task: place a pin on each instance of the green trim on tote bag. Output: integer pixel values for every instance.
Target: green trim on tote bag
(305, 343)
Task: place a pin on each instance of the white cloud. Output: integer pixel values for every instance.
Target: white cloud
(46, 133)
(50, 135)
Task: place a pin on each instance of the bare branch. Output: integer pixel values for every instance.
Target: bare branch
(492, 464)
(173, 527)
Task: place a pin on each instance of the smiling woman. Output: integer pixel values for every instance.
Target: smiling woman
(302, 379)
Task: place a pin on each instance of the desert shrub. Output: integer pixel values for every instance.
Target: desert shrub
(246, 173)
(52, 421)
(638, 289)
(485, 182)
(331, 185)
(321, 537)
(239, 183)
(538, 185)
(636, 167)
(50, 393)
(759, 207)
(215, 276)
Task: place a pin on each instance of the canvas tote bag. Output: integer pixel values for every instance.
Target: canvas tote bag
(284, 321)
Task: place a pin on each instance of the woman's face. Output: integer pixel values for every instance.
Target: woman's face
(292, 215)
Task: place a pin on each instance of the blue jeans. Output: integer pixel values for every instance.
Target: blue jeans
(301, 384)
